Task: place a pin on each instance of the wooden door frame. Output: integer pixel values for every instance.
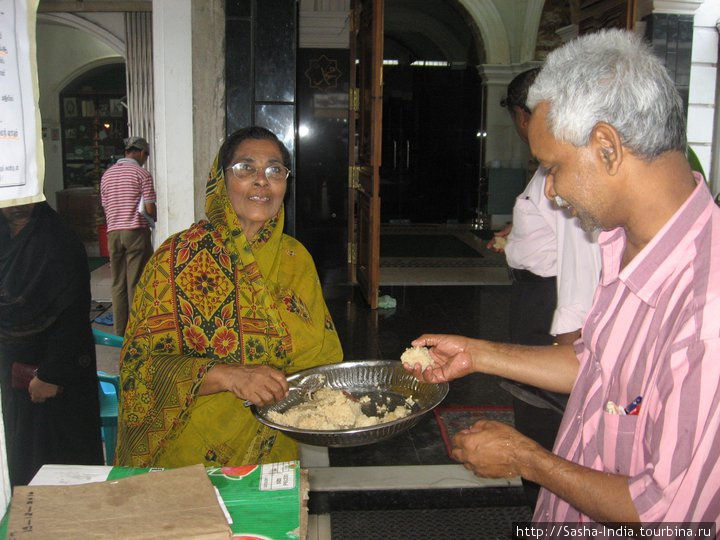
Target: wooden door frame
(364, 177)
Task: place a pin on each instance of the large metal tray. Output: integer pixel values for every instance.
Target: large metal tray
(384, 381)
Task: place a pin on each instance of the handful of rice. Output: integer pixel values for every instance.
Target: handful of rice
(417, 355)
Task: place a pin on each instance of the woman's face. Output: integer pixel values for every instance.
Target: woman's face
(255, 199)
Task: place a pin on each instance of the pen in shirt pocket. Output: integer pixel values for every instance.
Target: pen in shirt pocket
(634, 406)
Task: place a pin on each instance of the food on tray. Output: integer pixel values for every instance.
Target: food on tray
(331, 409)
(417, 355)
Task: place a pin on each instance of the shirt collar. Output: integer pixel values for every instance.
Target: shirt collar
(656, 262)
(128, 160)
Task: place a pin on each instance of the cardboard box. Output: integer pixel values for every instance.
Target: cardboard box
(177, 503)
(263, 501)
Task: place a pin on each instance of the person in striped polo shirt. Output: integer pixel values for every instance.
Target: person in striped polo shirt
(639, 442)
(129, 243)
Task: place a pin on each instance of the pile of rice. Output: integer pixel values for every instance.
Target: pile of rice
(330, 409)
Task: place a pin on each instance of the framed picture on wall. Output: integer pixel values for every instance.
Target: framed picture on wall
(70, 107)
(116, 107)
(88, 107)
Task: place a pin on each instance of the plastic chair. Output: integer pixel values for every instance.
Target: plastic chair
(104, 338)
(109, 392)
(109, 388)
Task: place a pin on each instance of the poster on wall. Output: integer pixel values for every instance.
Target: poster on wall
(21, 154)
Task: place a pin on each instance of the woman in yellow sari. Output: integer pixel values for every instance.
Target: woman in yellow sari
(223, 311)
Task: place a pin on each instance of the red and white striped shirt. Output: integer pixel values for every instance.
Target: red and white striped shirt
(653, 331)
(120, 189)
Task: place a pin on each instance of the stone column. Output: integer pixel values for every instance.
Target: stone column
(173, 145)
(502, 143)
(504, 149)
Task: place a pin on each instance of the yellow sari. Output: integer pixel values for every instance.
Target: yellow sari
(209, 296)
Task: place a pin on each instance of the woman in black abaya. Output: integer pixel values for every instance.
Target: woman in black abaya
(50, 400)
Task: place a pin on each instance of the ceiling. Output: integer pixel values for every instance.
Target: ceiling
(438, 30)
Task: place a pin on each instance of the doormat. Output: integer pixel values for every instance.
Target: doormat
(454, 418)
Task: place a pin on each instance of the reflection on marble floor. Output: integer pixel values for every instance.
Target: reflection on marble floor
(475, 311)
(478, 311)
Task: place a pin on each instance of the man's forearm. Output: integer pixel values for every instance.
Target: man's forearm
(553, 368)
(603, 496)
(151, 210)
(568, 338)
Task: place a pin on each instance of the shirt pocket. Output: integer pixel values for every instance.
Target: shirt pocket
(617, 438)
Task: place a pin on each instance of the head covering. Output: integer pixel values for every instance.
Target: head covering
(224, 299)
(138, 143)
(42, 269)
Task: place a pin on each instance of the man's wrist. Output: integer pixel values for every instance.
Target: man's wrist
(530, 458)
(482, 356)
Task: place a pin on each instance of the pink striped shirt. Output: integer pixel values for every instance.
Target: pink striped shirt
(120, 189)
(653, 331)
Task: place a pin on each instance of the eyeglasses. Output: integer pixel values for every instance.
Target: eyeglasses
(245, 171)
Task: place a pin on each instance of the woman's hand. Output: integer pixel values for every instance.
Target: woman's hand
(261, 385)
(40, 390)
(450, 354)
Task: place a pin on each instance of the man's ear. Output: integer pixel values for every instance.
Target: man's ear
(523, 118)
(605, 143)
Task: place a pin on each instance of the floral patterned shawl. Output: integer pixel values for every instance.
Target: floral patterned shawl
(209, 296)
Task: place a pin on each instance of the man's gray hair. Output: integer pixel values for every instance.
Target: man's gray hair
(611, 76)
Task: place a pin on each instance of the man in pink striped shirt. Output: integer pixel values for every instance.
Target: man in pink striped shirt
(121, 189)
(640, 438)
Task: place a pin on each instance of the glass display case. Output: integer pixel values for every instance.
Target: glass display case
(93, 128)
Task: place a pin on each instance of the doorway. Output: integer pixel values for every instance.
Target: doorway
(432, 114)
(430, 149)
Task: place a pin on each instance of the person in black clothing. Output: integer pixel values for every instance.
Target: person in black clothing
(48, 374)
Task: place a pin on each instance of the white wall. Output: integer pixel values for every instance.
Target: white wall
(172, 79)
(63, 53)
(702, 108)
(5, 492)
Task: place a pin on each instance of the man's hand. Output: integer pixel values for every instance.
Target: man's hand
(489, 449)
(497, 242)
(451, 358)
(40, 390)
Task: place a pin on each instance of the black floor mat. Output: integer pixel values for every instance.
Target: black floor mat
(455, 523)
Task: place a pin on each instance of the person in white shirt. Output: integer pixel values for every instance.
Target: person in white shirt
(555, 267)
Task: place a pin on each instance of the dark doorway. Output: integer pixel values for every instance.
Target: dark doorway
(431, 153)
(432, 114)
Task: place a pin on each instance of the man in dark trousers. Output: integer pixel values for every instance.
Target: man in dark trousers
(122, 188)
